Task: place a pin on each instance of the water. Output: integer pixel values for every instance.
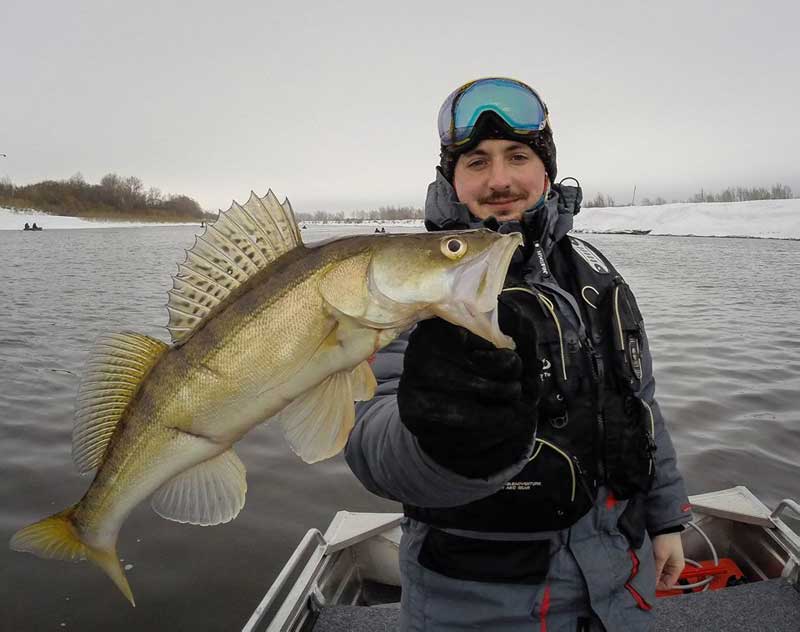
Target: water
(722, 315)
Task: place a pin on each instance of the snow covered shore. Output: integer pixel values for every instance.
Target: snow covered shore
(15, 220)
(776, 219)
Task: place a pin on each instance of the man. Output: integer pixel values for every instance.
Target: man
(539, 485)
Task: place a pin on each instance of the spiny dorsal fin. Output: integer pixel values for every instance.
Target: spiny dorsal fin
(244, 239)
(114, 372)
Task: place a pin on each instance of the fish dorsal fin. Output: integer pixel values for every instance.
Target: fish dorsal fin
(276, 220)
(115, 369)
(244, 240)
(209, 493)
(318, 422)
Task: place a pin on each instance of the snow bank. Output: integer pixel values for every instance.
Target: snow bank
(777, 219)
(15, 220)
(368, 222)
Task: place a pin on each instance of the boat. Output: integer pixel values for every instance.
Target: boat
(349, 577)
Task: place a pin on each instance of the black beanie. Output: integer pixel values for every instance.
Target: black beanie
(491, 126)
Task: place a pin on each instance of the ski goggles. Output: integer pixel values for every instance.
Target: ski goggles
(515, 103)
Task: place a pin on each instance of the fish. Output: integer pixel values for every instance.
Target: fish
(263, 329)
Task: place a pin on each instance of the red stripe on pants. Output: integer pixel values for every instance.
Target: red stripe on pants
(640, 602)
(543, 610)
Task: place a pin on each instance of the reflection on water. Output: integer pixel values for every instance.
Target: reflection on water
(722, 319)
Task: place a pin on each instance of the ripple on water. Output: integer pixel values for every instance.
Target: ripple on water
(725, 355)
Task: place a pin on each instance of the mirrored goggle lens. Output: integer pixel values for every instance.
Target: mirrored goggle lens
(516, 104)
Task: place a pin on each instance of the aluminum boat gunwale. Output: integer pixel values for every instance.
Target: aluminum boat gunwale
(355, 565)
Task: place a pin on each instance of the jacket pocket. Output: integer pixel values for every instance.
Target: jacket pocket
(554, 483)
(493, 561)
(627, 328)
(629, 446)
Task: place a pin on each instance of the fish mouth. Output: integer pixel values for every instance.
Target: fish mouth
(476, 287)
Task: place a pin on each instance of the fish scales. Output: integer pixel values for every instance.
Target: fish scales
(252, 336)
(288, 343)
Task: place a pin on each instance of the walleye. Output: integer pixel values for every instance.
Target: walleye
(263, 328)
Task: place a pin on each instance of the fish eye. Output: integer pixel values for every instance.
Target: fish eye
(454, 248)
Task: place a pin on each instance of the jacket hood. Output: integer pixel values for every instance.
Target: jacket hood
(443, 211)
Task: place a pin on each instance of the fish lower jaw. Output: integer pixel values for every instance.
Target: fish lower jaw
(481, 323)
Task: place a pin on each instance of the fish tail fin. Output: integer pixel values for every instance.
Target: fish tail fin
(109, 562)
(57, 538)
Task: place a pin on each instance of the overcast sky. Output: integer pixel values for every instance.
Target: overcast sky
(334, 104)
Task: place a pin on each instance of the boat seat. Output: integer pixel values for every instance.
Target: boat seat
(772, 605)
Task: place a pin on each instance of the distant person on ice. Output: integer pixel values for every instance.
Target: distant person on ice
(539, 485)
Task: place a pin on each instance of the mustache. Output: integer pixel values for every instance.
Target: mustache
(499, 197)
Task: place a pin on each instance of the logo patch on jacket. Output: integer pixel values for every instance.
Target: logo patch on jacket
(521, 486)
(595, 262)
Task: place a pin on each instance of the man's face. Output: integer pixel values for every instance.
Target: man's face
(503, 178)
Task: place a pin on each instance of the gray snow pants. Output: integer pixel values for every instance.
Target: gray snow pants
(594, 582)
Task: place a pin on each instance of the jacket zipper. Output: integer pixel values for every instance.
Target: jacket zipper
(582, 478)
(598, 377)
(550, 308)
(651, 436)
(619, 319)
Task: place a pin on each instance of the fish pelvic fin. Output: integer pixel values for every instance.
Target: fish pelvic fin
(58, 538)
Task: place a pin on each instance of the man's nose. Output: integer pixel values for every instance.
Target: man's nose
(499, 176)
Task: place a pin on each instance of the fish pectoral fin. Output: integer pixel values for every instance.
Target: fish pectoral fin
(211, 492)
(363, 382)
(318, 422)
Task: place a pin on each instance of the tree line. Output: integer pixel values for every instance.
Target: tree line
(356, 217)
(731, 194)
(743, 194)
(600, 200)
(115, 197)
(118, 197)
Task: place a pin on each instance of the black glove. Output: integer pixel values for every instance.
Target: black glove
(464, 399)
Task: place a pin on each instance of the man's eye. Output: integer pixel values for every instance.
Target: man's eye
(519, 157)
(476, 164)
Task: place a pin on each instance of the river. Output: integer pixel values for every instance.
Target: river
(721, 314)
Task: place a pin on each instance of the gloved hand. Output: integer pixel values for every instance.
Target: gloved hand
(468, 403)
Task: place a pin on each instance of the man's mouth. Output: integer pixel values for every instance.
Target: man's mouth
(502, 202)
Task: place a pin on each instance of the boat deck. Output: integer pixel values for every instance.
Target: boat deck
(356, 562)
(766, 605)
